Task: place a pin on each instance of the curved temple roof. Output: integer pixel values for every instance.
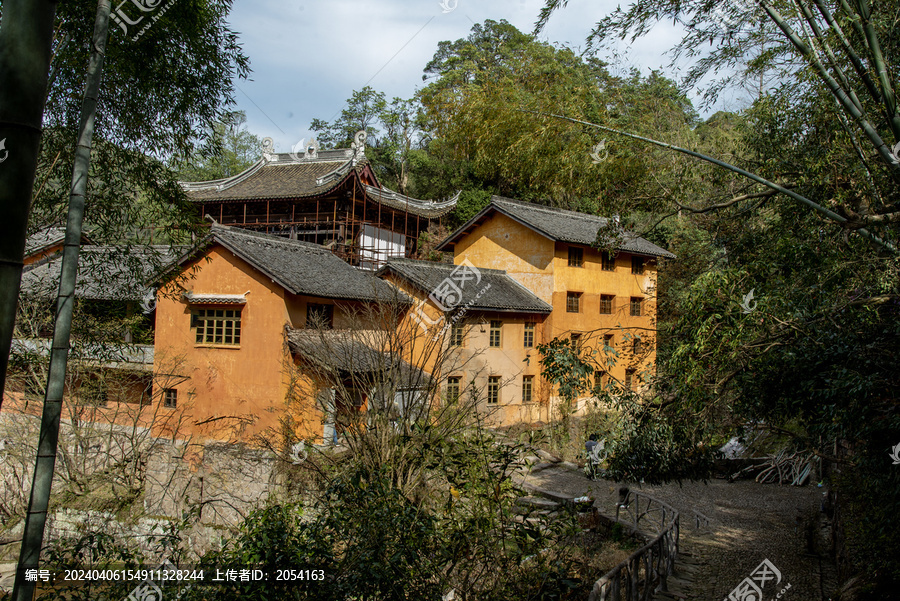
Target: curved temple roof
(307, 175)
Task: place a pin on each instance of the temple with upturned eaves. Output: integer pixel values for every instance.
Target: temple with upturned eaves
(327, 197)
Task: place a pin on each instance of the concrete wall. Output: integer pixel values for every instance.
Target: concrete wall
(226, 481)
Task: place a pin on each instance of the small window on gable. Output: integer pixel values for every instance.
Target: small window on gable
(576, 257)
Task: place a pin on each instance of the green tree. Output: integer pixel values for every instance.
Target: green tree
(807, 355)
(484, 109)
(364, 110)
(390, 154)
(160, 96)
(228, 150)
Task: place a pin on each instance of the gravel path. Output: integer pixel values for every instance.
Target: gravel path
(749, 523)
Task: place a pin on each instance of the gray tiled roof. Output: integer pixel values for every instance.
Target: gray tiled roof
(284, 176)
(41, 239)
(558, 224)
(299, 267)
(504, 293)
(46, 237)
(280, 177)
(104, 272)
(108, 354)
(424, 208)
(347, 351)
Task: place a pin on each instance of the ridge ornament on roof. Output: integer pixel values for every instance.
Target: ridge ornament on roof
(358, 146)
(309, 151)
(268, 149)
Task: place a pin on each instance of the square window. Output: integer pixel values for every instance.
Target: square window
(608, 340)
(637, 265)
(527, 389)
(576, 342)
(636, 302)
(529, 335)
(607, 262)
(495, 339)
(217, 326)
(453, 388)
(493, 391)
(629, 379)
(573, 302)
(457, 335)
(606, 304)
(576, 257)
(636, 346)
(170, 398)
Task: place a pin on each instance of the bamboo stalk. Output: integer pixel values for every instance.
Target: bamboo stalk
(887, 90)
(38, 503)
(835, 88)
(25, 50)
(855, 60)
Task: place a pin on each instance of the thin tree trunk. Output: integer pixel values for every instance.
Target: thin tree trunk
(44, 466)
(25, 47)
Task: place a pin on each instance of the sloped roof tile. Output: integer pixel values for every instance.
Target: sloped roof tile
(104, 272)
(558, 224)
(299, 267)
(492, 290)
(348, 351)
(287, 176)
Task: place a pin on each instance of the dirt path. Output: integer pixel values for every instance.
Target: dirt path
(749, 523)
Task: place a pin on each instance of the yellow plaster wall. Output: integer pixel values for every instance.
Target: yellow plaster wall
(511, 361)
(503, 243)
(476, 360)
(542, 266)
(229, 391)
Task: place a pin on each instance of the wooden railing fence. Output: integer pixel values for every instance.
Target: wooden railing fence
(646, 570)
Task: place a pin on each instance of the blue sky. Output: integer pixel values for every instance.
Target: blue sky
(308, 57)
